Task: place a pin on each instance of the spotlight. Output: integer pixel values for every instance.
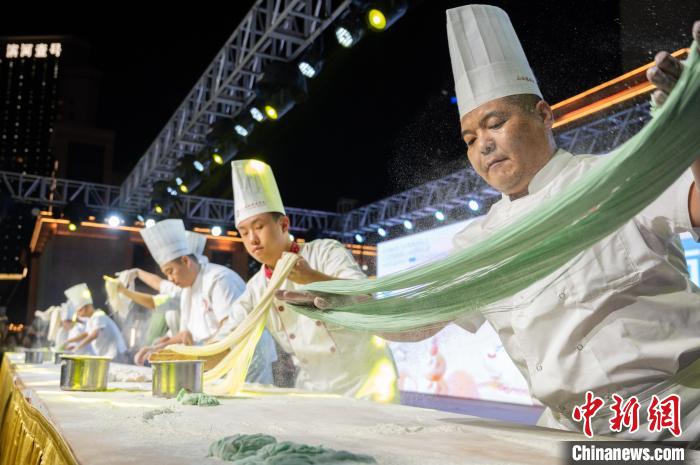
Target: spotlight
(311, 61)
(474, 205)
(271, 112)
(72, 227)
(382, 232)
(307, 70)
(359, 238)
(184, 189)
(158, 209)
(257, 114)
(114, 221)
(240, 130)
(198, 165)
(344, 37)
(376, 19)
(408, 225)
(150, 222)
(440, 216)
(216, 231)
(350, 28)
(280, 88)
(380, 15)
(224, 153)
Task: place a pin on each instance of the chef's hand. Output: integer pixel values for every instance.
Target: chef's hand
(302, 273)
(667, 71)
(185, 337)
(130, 274)
(318, 301)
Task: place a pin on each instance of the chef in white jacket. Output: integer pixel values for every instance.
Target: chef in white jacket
(623, 316)
(167, 301)
(208, 293)
(101, 333)
(329, 358)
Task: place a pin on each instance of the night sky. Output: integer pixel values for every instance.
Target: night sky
(379, 118)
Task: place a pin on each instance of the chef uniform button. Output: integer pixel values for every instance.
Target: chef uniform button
(280, 308)
(333, 349)
(562, 295)
(579, 346)
(539, 367)
(292, 336)
(318, 323)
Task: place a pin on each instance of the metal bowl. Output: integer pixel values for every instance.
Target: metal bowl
(84, 372)
(172, 375)
(35, 355)
(57, 356)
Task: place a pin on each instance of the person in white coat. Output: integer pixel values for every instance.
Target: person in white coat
(623, 316)
(101, 332)
(208, 292)
(329, 358)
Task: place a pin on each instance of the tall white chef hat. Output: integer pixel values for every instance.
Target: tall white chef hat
(254, 190)
(488, 61)
(196, 242)
(166, 240)
(78, 295)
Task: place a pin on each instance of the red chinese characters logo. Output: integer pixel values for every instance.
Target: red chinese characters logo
(661, 414)
(665, 414)
(587, 411)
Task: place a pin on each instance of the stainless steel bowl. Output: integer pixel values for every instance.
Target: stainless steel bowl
(35, 355)
(57, 356)
(172, 375)
(84, 372)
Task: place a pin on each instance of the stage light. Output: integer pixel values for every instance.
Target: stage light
(241, 131)
(344, 37)
(440, 216)
(114, 221)
(474, 205)
(271, 112)
(376, 19)
(408, 225)
(72, 227)
(216, 231)
(359, 238)
(382, 232)
(257, 114)
(307, 70)
(198, 165)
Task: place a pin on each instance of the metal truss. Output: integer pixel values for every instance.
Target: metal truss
(205, 210)
(273, 30)
(454, 190)
(606, 133)
(46, 192)
(445, 194)
(598, 136)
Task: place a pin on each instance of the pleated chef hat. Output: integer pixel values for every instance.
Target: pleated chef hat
(166, 240)
(488, 61)
(254, 190)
